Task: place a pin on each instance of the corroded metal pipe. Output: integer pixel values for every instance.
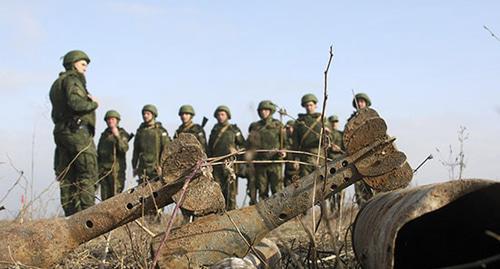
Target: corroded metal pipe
(430, 226)
(213, 238)
(43, 243)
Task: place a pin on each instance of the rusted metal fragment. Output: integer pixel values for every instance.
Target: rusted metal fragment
(358, 120)
(372, 129)
(396, 179)
(212, 238)
(203, 196)
(430, 226)
(45, 242)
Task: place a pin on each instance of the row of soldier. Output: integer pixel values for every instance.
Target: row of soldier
(80, 166)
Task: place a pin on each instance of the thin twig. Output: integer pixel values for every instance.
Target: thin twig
(491, 33)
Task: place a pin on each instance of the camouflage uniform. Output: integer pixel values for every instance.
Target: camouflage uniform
(225, 138)
(149, 143)
(111, 152)
(290, 172)
(336, 138)
(307, 131)
(266, 134)
(73, 113)
(191, 128)
(362, 192)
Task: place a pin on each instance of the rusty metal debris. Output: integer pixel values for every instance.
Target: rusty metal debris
(43, 243)
(431, 226)
(371, 155)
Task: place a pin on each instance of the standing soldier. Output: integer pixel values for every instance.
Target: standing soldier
(307, 133)
(335, 150)
(336, 136)
(225, 138)
(267, 134)
(291, 173)
(150, 141)
(111, 150)
(362, 191)
(186, 113)
(73, 113)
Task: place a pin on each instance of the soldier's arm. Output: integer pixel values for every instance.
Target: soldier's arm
(165, 138)
(122, 141)
(202, 138)
(238, 136)
(77, 98)
(135, 154)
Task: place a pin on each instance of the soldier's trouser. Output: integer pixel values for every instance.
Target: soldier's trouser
(228, 185)
(311, 160)
(111, 185)
(268, 174)
(77, 169)
(362, 193)
(290, 174)
(252, 188)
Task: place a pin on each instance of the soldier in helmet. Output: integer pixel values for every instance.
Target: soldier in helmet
(291, 173)
(267, 134)
(362, 192)
(150, 141)
(225, 138)
(73, 114)
(336, 136)
(307, 132)
(186, 113)
(111, 150)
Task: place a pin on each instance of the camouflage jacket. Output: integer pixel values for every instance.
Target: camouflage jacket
(196, 130)
(223, 138)
(111, 151)
(307, 131)
(266, 134)
(337, 138)
(149, 144)
(71, 105)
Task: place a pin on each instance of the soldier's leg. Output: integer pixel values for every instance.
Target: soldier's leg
(65, 175)
(362, 193)
(252, 187)
(261, 180)
(86, 167)
(106, 185)
(218, 174)
(233, 191)
(307, 169)
(275, 174)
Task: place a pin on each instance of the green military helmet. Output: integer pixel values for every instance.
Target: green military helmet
(74, 56)
(290, 123)
(151, 108)
(266, 104)
(333, 118)
(223, 108)
(363, 96)
(308, 98)
(188, 109)
(112, 114)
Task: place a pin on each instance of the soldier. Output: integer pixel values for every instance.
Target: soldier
(225, 138)
(335, 150)
(186, 113)
(362, 191)
(111, 150)
(291, 173)
(336, 136)
(307, 131)
(267, 134)
(73, 113)
(150, 141)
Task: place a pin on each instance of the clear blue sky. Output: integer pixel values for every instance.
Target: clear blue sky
(429, 67)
